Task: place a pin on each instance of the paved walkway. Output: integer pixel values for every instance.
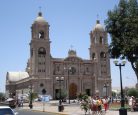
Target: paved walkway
(69, 109)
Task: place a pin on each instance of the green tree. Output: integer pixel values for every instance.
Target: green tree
(113, 93)
(122, 25)
(34, 95)
(133, 92)
(85, 102)
(63, 94)
(80, 96)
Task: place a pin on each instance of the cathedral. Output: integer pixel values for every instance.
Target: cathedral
(73, 75)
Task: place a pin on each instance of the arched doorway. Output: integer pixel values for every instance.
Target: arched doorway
(73, 91)
(43, 91)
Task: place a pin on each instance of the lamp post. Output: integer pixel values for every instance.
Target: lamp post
(122, 110)
(60, 107)
(31, 97)
(68, 69)
(30, 87)
(106, 85)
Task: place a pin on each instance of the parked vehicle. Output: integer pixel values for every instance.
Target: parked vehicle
(6, 110)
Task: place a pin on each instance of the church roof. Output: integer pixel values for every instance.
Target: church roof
(16, 76)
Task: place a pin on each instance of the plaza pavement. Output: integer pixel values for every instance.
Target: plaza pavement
(69, 109)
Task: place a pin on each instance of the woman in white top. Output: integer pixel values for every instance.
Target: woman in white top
(131, 103)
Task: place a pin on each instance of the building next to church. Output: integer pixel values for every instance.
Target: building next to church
(78, 75)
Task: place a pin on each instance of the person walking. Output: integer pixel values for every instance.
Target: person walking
(105, 102)
(131, 103)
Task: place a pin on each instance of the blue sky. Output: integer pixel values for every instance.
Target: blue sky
(70, 24)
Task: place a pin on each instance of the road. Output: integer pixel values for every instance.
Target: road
(30, 112)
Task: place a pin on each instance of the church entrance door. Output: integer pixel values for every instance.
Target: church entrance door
(73, 91)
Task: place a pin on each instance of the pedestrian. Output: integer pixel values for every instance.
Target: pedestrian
(105, 103)
(131, 103)
(109, 101)
(21, 102)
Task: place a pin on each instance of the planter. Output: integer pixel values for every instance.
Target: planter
(122, 111)
(60, 108)
(31, 106)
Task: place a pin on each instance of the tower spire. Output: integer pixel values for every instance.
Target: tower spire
(97, 21)
(40, 13)
(71, 47)
(97, 16)
(40, 8)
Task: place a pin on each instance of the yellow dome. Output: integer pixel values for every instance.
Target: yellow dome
(98, 27)
(72, 53)
(40, 18)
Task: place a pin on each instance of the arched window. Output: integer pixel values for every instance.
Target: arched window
(41, 85)
(102, 55)
(101, 40)
(93, 56)
(41, 51)
(41, 35)
(72, 71)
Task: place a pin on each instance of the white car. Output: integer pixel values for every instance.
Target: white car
(6, 110)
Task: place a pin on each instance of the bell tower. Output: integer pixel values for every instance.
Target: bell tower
(40, 48)
(99, 55)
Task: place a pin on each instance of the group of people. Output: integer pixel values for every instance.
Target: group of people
(99, 104)
(95, 104)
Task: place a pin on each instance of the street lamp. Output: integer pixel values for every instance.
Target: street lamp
(106, 85)
(122, 110)
(60, 107)
(30, 87)
(31, 96)
(68, 69)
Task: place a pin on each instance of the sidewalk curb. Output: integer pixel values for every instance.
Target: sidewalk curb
(48, 112)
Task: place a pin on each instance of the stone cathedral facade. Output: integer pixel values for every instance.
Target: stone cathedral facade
(78, 75)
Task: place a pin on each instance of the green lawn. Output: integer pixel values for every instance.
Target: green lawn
(117, 106)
